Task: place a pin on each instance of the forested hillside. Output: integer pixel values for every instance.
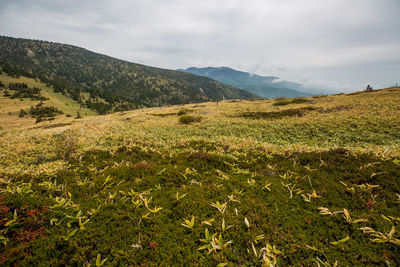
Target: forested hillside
(103, 83)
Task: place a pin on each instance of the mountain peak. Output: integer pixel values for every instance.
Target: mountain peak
(265, 86)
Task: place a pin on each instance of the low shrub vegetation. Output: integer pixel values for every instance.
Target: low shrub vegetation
(21, 90)
(182, 112)
(320, 189)
(188, 119)
(277, 114)
(291, 101)
(41, 112)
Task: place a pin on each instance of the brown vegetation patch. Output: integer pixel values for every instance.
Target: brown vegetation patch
(335, 109)
(50, 126)
(298, 112)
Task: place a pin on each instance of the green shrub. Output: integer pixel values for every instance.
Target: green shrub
(22, 113)
(300, 101)
(181, 112)
(187, 119)
(41, 112)
(293, 101)
(281, 103)
(21, 90)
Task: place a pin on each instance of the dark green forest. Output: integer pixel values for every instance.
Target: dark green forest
(106, 84)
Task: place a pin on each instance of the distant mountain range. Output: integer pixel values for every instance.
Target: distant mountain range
(265, 86)
(106, 84)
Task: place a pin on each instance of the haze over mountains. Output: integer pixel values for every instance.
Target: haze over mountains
(265, 86)
(106, 84)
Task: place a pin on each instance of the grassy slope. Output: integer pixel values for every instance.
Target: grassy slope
(8, 121)
(92, 188)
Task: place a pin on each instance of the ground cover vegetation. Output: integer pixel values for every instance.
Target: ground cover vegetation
(250, 184)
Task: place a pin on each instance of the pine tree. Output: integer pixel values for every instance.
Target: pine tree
(6, 93)
(22, 113)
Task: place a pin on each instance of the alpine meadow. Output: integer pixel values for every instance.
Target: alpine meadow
(104, 162)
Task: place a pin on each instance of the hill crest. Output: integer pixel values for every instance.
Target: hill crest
(109, 84)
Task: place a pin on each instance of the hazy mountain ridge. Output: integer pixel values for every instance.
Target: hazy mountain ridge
(265, 86)
(104, 83)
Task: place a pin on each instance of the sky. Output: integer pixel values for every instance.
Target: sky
(332, 45)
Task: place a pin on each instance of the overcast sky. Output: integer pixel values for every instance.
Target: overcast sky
(331, 44)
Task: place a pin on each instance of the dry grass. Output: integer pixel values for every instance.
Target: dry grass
(133, 179)
(370, 123)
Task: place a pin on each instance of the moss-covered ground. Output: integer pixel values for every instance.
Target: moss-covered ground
(250, 184)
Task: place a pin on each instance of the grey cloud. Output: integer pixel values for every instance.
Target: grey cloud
(332, 44)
